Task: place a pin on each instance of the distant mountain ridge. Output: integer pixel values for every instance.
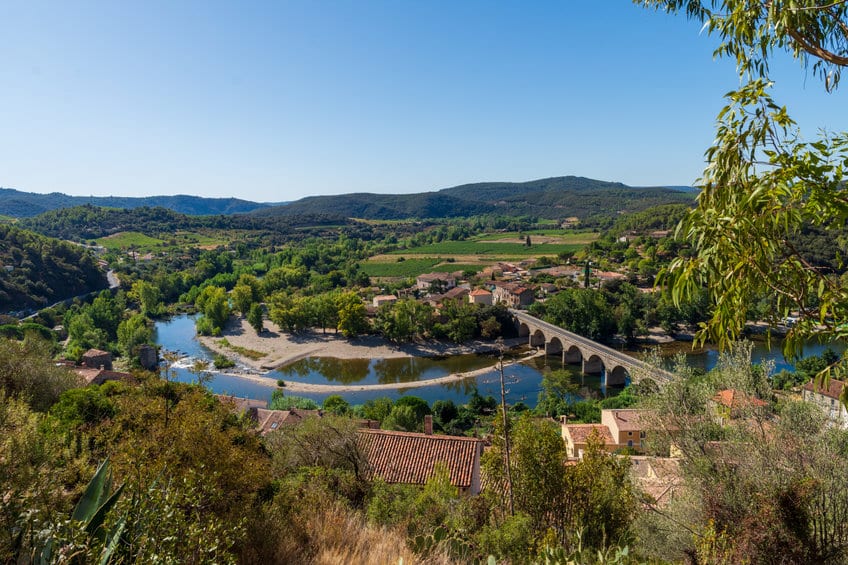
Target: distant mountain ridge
(555, 197)
(20, 204)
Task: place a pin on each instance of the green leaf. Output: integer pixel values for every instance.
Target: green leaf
(96, 491)
(114, 541)
(94, 524)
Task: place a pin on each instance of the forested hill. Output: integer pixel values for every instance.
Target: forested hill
(592, 201)
(26, 204)
(383, 206)
(587, 199)
(36, 271)
(83, 223)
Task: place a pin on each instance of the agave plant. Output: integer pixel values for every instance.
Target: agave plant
(89, 517)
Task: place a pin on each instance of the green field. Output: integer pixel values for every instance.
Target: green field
(569, 237)
(491, 249)
(130, 239)
(144, 243)
(407, 268)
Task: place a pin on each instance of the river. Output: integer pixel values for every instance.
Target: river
(523, 380)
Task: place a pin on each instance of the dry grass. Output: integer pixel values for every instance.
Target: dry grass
(313, 530)
(341, 536)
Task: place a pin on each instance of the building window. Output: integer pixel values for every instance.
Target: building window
(642, 435)
(629, 443)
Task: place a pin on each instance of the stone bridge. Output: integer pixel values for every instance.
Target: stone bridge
(595, 358)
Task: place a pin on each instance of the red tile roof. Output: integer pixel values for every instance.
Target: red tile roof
(628, 419)
(99, 376)
(580, 432)
(456, 292)
(833, 390)
(409, 458)
(268, 421)
(733, 398)
(658, 477)
(480, 292)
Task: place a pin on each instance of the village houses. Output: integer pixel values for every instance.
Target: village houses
(619, 429)
(513, 295)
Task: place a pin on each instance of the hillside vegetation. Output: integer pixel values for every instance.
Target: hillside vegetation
(38, 271)
(592, 201)
(26, 204)
(88, 222)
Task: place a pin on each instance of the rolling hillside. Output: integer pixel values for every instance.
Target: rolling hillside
(36, 271)
(27, 204)
(383, 206)
(553, 198)
(593, 201)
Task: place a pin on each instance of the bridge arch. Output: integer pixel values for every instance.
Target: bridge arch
(593, 364)
(538, 339)
(573, 355)
(523, 330)
(554, 346)
(617, 376)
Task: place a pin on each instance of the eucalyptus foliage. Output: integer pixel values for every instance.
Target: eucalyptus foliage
(764, 183)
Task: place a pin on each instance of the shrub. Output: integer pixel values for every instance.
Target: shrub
(223, 362)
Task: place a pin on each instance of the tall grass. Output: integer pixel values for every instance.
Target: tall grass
(344, 537)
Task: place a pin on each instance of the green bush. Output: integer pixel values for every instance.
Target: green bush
(223, 362)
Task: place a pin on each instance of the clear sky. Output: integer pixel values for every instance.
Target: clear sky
(273, 101)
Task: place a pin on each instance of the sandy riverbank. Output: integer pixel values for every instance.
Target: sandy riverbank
(292, 386)
(280, 349)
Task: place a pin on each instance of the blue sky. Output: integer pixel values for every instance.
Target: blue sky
(273, 101)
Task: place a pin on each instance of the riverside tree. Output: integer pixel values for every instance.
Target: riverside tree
(764, 182)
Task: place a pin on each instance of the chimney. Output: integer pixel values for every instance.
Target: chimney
(428, 425)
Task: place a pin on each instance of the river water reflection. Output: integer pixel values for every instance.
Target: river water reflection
(523, 379)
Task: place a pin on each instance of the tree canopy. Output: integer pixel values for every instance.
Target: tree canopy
(764, 183)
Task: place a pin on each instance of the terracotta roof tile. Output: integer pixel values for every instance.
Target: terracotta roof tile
(480, 292)
(733, 398)
(456, 292)
(409, 458)
(100, 376)
(658, 477)
(628, 419)
(580, 432)
(268, 421)
(833, 390)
